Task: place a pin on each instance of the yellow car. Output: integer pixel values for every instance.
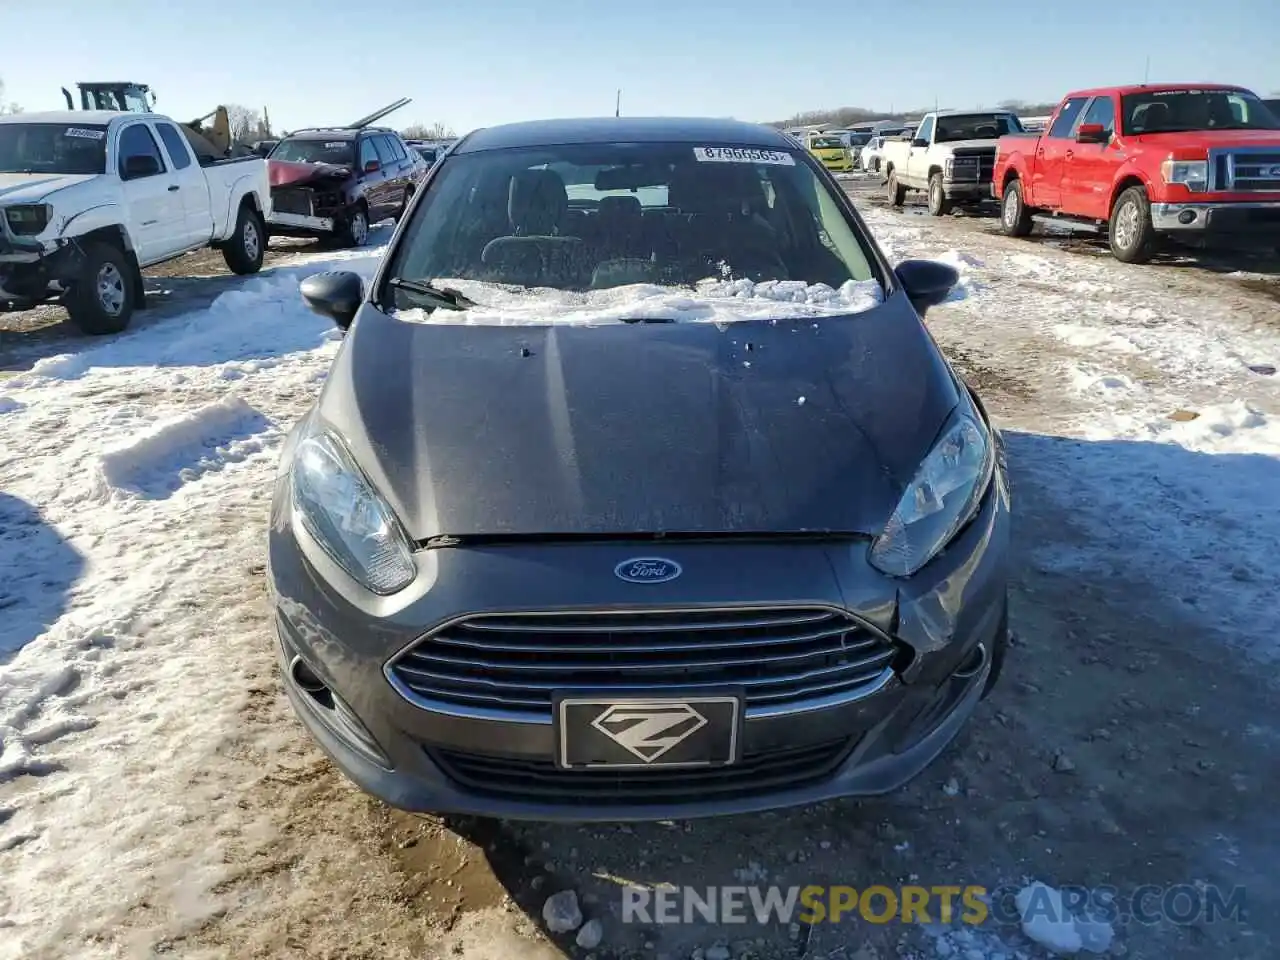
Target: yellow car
(831, 153)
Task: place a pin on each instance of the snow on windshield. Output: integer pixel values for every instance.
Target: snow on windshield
(711, 301)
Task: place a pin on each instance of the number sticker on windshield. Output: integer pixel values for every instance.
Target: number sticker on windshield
(336, 145)
(84, 134)
(743, 155)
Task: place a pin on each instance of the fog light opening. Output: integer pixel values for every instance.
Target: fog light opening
(973, 663)
(306, 678)
(1187, 217)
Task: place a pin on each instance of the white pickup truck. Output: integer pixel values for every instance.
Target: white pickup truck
(88, 198)
(951, 155)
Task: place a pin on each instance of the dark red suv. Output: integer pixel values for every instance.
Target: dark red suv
(336, 182)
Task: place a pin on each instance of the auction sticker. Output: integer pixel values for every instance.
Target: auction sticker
(336, 145)
(84, 134)
(743, 155)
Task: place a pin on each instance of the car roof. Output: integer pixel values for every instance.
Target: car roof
(540, 133)
(333, 133)
(1133, 88)
(76, 116)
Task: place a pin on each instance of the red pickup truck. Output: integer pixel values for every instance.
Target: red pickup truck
(1192, 162)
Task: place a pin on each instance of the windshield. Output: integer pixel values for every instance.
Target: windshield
(427, 153)
(826, 143)
(976, 126)
(53, 148)
(858, 139)
(314, 151)
(1171, 111)
(593, 216)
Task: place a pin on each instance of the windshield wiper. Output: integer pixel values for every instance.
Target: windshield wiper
(440, 296)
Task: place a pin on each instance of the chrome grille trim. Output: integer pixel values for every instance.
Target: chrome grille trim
(505, 666)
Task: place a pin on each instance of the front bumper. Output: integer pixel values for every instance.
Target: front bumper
(948, 620)
(966, 189)
(289, 224)
(1246, 223)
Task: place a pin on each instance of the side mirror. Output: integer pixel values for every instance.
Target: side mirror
(919, 142)
(336, 295)
(373, 166)
(927, 282)
(140, 165)
(1092, 133)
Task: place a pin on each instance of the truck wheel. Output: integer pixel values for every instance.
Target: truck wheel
(897, 193)
(939, 205)
(247, 245)
(1015, 218)
(354, 231)
(103, 300)
(1130, 231)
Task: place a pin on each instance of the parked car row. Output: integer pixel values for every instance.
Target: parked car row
(1198, 164)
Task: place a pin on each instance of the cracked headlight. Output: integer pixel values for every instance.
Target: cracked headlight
(352, 523)
(944, 495)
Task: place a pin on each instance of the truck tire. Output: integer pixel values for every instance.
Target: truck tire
(939, 205)
(1015, 218)
(102, 301)
(354, 229)
(1129, 228)
(897, 192)
(244, 249)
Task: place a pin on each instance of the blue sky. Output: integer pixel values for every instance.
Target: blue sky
(477, 63)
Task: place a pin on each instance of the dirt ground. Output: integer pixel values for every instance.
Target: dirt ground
(1124, 746)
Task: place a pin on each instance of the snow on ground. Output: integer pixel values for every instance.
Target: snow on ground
(135, 475)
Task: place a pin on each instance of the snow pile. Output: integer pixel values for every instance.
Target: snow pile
(1188, 506)
(178, 450)
(135, 477)
(711, 301)
(1047, 921)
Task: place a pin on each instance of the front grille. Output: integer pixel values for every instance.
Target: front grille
(1245, 170)
(295, 200)
(970, 165)
(1256, 171)
(756, 774)
(513, 662)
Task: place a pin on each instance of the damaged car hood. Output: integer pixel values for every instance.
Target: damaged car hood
(284, 173)
(804, 426)
(34, 187)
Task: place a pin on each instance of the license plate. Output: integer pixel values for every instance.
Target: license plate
(634, 732)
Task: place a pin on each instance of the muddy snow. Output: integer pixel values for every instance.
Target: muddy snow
(157, 797)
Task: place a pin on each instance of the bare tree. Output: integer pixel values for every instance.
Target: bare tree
(6, 107)
(424, 131)
(244, 122)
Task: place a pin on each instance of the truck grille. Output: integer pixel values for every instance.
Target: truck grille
(973, 165)
(756, 774)
(295, 200)
(1247, 171)
(514, 662)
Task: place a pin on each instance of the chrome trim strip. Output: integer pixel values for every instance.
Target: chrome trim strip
(871, 687)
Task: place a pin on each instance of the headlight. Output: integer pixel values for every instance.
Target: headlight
(965, 168)
(28, 219)
(340, 508)
(1192, 174)
(944, 495)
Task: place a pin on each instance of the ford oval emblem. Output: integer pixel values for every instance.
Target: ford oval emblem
(647, 570)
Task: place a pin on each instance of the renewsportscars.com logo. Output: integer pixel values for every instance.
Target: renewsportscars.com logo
(972, 904)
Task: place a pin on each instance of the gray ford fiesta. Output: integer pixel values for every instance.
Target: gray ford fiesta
(637, 490)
